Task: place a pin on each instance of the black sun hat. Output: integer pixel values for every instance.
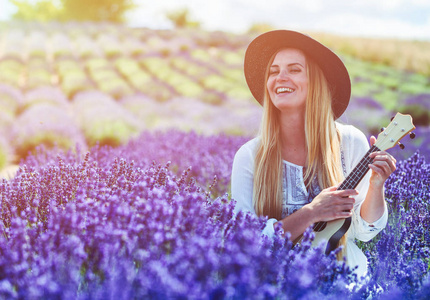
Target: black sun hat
(261, 49)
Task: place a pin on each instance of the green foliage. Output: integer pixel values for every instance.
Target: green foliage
(5, 153)
(127, 66)
(181, 19)
(388, 98)
(364, 88)
(6, 120)
(258, 28)
(233, 58)
(38, 77)
(399, 54)
(42, 10)
(182, 84)
(216, 82)
(115, 86)
(391, 82)
(47, 124)
(73, 10)
(188, 88)
(11, 71)
(101, 10)
(10, 101)
(414, 88)
(104, 121)
(191, 69)
(113, 133)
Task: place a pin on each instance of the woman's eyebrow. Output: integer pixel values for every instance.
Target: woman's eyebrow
(289, 65)
(293, 64)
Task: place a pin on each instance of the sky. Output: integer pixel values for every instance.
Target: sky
(405, 19)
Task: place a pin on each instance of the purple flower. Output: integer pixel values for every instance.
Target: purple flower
(45, 95)
(152, 219)
(45, 124)
(10, 99)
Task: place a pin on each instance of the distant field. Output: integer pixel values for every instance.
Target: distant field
(406, 55)
(102, 83)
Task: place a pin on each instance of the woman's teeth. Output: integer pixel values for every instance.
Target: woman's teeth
(284, 90)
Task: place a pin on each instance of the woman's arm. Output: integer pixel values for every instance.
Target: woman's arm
(383, 165)
(330, 204)
(242, 178)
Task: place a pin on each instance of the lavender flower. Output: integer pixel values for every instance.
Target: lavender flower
(48, 95)
(45, 124)
(11, 99)
(420, 144)
(418, 106)
(399, 257)
(6, 154)
(82, 231)
(129, 222)
(61, 45)
(39, 73)
(151, 217)
(103, 120)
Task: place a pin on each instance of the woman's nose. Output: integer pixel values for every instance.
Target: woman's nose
(283, 76)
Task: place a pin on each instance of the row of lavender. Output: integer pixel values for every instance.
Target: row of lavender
(45, 116)
(122, 61)
(106, 83)
(152, 219)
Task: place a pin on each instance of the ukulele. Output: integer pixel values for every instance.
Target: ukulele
(332, 231)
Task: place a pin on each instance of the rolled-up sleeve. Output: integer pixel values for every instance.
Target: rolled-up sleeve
(365, 231)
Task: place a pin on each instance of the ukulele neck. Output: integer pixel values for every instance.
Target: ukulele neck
(354, 178)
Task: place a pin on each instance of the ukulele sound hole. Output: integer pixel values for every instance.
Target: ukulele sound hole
(320, 226)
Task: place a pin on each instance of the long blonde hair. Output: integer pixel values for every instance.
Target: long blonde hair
(322, 142)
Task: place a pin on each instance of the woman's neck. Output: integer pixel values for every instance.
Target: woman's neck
(293, 139)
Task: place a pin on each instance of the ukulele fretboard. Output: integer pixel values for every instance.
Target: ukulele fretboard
(354, 178)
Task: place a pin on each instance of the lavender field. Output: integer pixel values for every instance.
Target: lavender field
(122, 142)
(89, 83)
(122, 223)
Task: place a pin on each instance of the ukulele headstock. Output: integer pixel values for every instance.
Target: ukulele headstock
(400, 126)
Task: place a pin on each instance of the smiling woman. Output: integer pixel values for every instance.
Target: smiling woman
(291, 172)
(287, 82)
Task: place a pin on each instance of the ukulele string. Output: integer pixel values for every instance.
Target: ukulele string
(319, 225)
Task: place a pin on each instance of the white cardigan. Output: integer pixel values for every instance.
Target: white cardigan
(354, 145)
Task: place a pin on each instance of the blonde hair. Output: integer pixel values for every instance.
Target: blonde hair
(322, 142)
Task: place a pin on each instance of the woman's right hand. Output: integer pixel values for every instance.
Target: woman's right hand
(332, 204)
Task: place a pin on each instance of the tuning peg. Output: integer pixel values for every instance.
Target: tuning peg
(412, 135)
(382, 129)
(401, 146)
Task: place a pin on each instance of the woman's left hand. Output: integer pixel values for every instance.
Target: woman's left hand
(383, 165)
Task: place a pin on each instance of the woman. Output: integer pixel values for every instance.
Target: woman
(291, 171)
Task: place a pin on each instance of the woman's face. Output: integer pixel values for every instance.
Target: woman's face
(287, 83)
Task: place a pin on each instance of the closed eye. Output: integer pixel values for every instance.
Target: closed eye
(273, 70)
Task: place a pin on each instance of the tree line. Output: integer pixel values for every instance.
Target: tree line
(84, 10)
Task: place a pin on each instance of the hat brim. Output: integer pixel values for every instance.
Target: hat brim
(261, 49)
